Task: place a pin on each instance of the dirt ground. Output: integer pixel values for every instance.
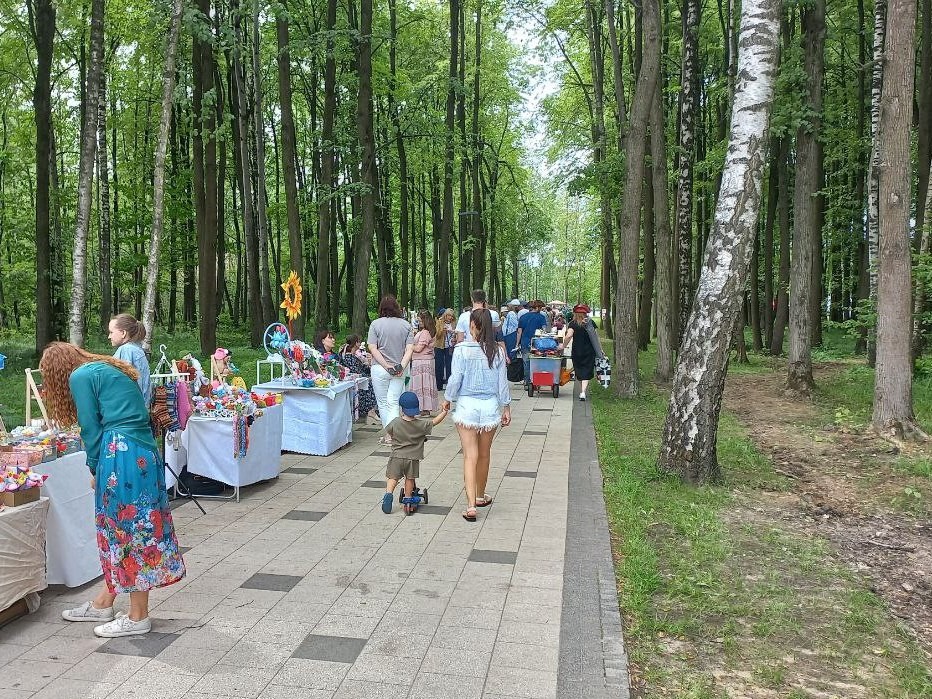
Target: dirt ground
(843, 486)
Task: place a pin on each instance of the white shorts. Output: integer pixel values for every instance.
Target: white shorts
(483, 414)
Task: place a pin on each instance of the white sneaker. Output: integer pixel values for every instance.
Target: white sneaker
(124, 626)
(88, 612)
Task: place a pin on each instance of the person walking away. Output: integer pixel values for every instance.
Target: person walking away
(479, 300)
(127, 334)
(357, 362)
(479, 385)
(528, 325)
(423, 377)
(441, 372)
(586, 346)
(391, 344)
(135, 535)
(409, 434)
(510, 326)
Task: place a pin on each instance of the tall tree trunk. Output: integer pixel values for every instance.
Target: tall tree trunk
(253, 251)
(444, 291)
(781, 317)
(158, 194)
(873, 171)
(395, 116)
(104, 274)
(893, 394)
(478, 234)
(666, 303)
(806, 206)
(325, 183)
(269, 312)
(649, 260)
(205, 181)
(924, 132)
(42, 24)
(289, 154)
(76, 321)
(364, 121)
(754, 283)
(691, 427)
(689, 103)
(920, 295)
(769, 224)
(608, 245)
(626, 340)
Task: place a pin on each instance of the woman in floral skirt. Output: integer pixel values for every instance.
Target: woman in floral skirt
(135, 535)
(423, 378)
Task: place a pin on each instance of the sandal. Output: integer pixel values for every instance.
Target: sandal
(470, 514)
(483, 501)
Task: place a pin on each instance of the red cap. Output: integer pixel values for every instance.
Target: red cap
(581, 308)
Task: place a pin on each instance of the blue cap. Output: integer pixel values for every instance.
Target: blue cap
(409, 403)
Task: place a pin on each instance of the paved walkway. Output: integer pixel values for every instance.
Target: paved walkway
(305, 589)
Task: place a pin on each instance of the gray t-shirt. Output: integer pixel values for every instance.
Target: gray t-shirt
(390, 336)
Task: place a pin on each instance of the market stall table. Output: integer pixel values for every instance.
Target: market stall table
(22, 552)
(206, 445)
(317, 421)
(71, 553)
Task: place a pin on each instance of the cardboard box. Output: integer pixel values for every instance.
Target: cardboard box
(19, 497)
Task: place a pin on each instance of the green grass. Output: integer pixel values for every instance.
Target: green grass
(712, 587)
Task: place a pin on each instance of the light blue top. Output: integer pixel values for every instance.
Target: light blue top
(107, 399)
(470, 375)
(134, 354)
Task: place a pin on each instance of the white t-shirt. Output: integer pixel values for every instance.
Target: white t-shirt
(462, 324)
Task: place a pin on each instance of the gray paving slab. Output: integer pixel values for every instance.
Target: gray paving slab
(305, 589)
(334, 649)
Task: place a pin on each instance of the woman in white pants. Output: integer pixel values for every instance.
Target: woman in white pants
(391, 343)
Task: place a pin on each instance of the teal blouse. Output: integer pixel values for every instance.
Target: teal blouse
(107, 399)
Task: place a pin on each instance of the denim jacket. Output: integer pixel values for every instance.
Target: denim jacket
(471, 376)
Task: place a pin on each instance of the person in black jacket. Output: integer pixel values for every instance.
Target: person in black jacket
(586, 346)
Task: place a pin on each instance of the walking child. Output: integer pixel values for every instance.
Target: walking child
(408, 433)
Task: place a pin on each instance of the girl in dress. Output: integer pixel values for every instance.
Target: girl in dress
(126, 334)
(357, 362)
(423, 378)
(135, 535)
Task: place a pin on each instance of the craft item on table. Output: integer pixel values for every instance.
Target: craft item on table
(38, 445)
(240, 436)
(185, 407)
(310, 368)
(292, 302)
(20, 477)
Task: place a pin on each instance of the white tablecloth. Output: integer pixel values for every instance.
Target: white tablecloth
(22, 551)
(71, 552)
(317, 420)
(207, 448)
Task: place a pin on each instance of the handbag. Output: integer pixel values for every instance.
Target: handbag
(603, 370)
(516, 371)
(565, 376)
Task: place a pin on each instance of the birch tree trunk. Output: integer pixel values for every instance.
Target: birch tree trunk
(689, 101)
(42, 26)
(873, 172)
(625, 376)
(893, 395)
(806, 208)
(690, 430)
(161, 148)
(86, 176)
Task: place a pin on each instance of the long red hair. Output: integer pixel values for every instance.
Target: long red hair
(58, 361)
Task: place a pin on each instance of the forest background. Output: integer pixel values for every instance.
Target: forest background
(178, 160)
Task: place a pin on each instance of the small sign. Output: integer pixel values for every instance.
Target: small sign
(2, 362)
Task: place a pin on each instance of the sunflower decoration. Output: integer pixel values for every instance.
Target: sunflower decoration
(292, 302)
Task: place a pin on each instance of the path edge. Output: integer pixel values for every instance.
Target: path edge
(593, 662)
